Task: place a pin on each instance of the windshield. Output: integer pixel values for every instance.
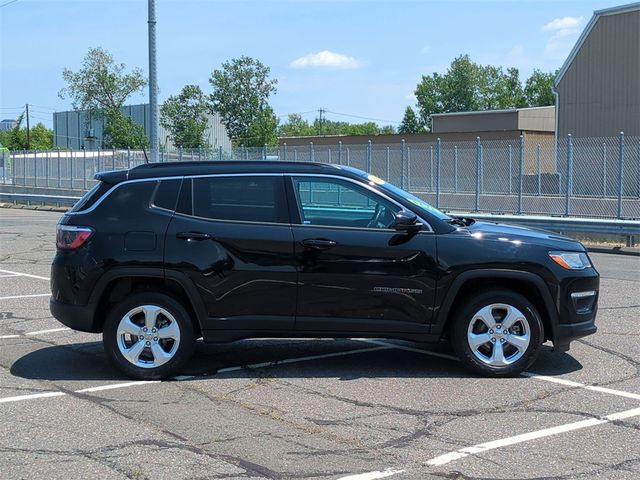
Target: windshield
(389, 187)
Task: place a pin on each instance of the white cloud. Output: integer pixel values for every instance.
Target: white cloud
(411, 96)
(326, 59)
(426, 49)
(563, 23)
(565, 33)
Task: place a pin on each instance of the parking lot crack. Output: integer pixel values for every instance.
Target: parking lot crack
(180, 441)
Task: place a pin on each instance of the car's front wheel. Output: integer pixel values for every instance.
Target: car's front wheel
(497, 333)
(148, 336)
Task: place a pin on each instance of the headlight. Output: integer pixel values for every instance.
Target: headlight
(571, 260)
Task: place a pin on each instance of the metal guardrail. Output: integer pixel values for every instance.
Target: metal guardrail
(33, 199)
(628, 228)
(565, 224)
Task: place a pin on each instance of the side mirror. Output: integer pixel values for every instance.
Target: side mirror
(406, 222)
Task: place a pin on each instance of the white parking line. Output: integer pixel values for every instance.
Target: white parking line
(8, 276)
(593, 388)
(535, 376)
(25, 274)
(116, 385)
(302, 359)
(26, 296)
(185, 377)
(373, 475)
(37, 332)
(100, 388)
(525, 437)
(31, 397)
(285, 361)
(51, 330)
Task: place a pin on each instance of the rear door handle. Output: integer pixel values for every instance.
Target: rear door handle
(193, 236)
(318, 243)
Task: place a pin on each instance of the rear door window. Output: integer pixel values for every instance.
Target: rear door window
(241, 198)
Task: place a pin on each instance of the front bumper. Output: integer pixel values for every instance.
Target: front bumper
(578, 309)
(568, 332)
(76, 317)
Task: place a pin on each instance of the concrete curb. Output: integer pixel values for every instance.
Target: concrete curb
(43, 208)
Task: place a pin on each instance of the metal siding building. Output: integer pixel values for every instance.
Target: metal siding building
(598, 87)
(77, 129)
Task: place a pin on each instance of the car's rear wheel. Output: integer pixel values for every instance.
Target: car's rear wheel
(148, 336)
(497, 333)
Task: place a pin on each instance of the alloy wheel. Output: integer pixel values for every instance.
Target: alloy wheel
(148, 336)
(499, 335)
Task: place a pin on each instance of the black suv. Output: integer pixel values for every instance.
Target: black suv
(160, 255)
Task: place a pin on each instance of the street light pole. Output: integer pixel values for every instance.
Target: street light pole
(153, 82)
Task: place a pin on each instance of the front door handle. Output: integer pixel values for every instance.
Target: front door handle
(193, 236)
(318, 243)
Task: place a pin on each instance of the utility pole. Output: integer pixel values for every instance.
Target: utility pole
(320, 120)
(28, 129)
(153, 82)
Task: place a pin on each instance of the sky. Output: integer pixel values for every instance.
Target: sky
(360, 60)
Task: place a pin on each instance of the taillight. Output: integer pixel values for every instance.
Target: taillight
(69, 237)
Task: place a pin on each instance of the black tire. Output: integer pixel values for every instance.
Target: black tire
(180, 353)
(465, 323)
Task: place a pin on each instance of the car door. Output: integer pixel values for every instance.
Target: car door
(355, 272)
(231, 235)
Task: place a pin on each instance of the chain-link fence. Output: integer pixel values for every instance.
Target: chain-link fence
(587, 177)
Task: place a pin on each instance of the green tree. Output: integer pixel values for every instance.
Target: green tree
(538, 89)
(296, 126)
(185, 117)
(499, 90)
(121, 132)
(468, 86)
(460, 92)
(41, 137)
(241, 91)
(16, 138)
(102, 86)
(410, 122)
(263, 130)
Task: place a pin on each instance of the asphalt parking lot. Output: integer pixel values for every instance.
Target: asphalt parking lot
(280, 409)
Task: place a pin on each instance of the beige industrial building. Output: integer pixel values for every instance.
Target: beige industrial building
(536, 125)
(598, 87)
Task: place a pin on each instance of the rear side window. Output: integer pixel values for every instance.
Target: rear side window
(91, 197)
(166, 194)
(240, 198)
(128, 199)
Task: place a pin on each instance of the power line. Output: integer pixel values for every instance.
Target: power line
(40, 111)
(363, 118)
(296, 113)
(8, 3)
(44, 106)
(40, 118)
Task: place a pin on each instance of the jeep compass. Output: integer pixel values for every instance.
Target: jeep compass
(160, 255)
